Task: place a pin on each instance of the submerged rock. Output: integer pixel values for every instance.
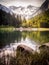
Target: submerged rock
(25, 48)
(44, 47)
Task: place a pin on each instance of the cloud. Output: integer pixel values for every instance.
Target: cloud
(23, 2)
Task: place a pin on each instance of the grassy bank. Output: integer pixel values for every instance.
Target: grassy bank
(22, 29)
(6, 28)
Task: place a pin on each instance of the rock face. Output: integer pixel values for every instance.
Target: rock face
(5, 9)
(45, 5)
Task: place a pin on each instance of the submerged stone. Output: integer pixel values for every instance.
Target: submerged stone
(25, 48)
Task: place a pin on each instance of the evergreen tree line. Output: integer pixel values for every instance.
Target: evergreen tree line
(9, 20)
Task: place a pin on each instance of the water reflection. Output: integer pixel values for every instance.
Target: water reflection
(10, 40)
(11, 49)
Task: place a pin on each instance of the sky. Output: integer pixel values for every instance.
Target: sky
(37, 3)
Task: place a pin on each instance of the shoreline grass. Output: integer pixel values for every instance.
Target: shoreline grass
(11, 28)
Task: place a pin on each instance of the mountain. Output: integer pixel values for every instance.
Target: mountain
(30, 6)
(7, 17)
(4, 8)
(26, 12)
(15, 7)
(40, 20)
(41, 17)
(45, 6)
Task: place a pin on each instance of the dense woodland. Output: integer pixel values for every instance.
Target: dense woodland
(41, 20)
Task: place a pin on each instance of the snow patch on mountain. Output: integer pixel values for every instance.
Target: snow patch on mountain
(26, 12)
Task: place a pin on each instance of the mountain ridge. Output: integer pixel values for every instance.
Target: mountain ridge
(28, 12)
(24, 11)
(4, 8)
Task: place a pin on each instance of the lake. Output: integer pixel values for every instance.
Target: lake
(10, 40)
